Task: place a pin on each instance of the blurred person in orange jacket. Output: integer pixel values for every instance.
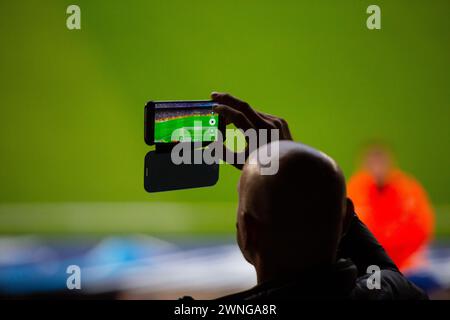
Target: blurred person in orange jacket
(393, 205)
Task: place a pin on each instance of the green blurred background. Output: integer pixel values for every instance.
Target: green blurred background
(71, 117)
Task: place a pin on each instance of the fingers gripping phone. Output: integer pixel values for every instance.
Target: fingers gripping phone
(170, 122)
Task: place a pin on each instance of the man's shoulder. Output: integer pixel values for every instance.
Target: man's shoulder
(387, 285)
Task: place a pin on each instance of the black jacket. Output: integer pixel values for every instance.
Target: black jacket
(347, 279)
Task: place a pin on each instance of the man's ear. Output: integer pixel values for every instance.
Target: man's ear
(348, 216)
(248, 236)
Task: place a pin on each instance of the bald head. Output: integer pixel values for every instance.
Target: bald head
(294, 216)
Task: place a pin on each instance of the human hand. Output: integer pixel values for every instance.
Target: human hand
(244, 117)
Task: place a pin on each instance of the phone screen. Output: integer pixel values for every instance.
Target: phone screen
(181, 121)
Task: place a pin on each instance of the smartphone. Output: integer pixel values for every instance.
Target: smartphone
(171, 122)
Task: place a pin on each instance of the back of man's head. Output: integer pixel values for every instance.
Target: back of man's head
(292, 219)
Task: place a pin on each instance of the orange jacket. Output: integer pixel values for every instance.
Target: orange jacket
(399, 214)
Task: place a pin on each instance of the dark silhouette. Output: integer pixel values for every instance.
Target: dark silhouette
(299, 230)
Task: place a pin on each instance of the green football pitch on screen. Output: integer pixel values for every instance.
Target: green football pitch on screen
(195, 128)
